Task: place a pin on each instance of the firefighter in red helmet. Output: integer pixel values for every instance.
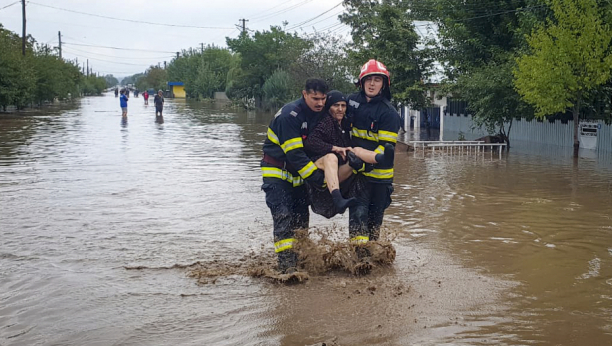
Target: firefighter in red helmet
(375, 124)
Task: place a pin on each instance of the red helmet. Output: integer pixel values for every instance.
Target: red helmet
(373, 67)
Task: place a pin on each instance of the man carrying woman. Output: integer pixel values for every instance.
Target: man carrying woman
(330, 147)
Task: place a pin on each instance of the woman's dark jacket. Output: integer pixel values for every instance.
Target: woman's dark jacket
(326, 134)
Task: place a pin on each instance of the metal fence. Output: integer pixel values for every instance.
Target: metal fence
(544, 132)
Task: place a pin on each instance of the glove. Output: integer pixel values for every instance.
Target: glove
(317, 179)
(355, 162)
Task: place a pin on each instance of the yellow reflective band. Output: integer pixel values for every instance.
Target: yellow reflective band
(307, 170)
(387, 136)
(291, 144)
(284, 244)
(380, 173)
(380, 150)
(360, 239)
(272, 136)
(365, 134)
(274, 172)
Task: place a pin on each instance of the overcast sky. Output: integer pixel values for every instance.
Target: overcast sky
(142, 44)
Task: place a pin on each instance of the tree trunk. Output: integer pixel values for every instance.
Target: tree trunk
(576, 111)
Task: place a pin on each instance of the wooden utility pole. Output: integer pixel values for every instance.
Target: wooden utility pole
(23, 34)
(87, 67)
(243, 24)
(59, 36)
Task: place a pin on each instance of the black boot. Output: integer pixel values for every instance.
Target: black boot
(389, 154)
(364, 266)
(342, 203)
(387, 157)
(287, 262)
(355, 162)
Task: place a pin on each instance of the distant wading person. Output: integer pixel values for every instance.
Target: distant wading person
(286, 168)
(159, 103)
(145, 96)
(123, 100)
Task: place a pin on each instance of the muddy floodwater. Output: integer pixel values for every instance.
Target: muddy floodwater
(104, 222)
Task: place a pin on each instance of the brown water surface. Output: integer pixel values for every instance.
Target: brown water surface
(103, 221)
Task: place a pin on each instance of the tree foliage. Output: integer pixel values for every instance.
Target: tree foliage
(40, 76)
(203, 71)
(325, 58)
(111, 81)
(384, 30)
(491, 97)
(260, 55)
(569, 58)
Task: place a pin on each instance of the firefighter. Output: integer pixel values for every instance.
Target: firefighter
(286, 168)
(375, 124)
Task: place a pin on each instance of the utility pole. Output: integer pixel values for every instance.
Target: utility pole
(59, 36)
(23, 33)
(243, 24)
(87, 67)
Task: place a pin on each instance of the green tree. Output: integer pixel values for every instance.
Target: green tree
(203, 72)
(17, 74)
(261, 55)
(569, 57)
(326, 58)
(491, 97)
(278, 89)
(384, 30)
(111, 81)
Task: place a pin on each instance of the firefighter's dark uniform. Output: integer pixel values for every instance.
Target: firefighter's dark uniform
(375, 123)
(285, 169)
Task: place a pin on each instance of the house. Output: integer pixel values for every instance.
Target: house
(177, 89)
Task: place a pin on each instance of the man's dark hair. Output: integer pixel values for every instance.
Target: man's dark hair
(314, 85)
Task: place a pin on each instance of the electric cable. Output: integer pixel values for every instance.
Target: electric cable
(130, 20)
(119, 48)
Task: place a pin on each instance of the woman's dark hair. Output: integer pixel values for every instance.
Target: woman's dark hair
(316, 85)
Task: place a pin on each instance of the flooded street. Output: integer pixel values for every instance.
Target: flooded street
(101, 219)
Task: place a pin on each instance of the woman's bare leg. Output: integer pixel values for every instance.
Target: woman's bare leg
(344, 172)
(367, 156)
(329, 164)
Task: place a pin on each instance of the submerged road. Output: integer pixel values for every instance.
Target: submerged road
(100, 220)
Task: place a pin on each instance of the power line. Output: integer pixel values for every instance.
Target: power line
(130, 20)
(9, 5)
(313, 18)
(119, 48)
(108, 61)
(118, 57)
(262, 13)
(260, 18)
(495, 14)
(326, 18)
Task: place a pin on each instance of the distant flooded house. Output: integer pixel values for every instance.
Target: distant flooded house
(177, 89)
